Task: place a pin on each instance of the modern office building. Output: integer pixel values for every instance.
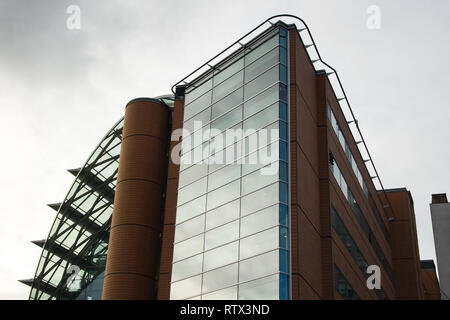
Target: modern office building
(440, 217)
(252, 181)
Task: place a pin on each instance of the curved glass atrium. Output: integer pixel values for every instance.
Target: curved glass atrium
(73, 258)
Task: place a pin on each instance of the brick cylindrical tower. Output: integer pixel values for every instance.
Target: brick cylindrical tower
(134, 241)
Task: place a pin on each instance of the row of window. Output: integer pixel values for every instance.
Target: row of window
(346, 147)
(351, 246)
(231, 179)
(226, 71)
(257, 265)
(214, 131)
(360, 216)
(231, 107)
(267, 288)
(358, 174)
(343, 287)
(229, 211)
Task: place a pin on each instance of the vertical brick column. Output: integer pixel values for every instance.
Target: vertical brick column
(134, 241)
(165, 270)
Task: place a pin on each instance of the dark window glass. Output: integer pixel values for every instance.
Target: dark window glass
(283, 193)
(284, 287)
(343, 287)
(283, 151)
(283, 215)
(283, 131)
(283, 73)
(283, 111)
(283, 92)
(283, 56)
(284, 261)
(283, 171)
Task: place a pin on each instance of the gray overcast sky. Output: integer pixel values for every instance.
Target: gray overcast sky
(61, 90)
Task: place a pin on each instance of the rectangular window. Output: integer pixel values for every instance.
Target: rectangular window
(262, 289)
(187, 268)
(221, 235)
(188, 248)
(187, 288)
(220, 278)
(223, 195)
(221, 256)
(261, 82)
(259, 266)
(223, 214)
(259, 221)
(189, 228)
(259, 243)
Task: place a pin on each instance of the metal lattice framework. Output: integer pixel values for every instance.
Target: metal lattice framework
(79, 235)
(73, 258)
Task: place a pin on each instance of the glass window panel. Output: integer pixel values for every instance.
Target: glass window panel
(194, 93)
(228, 70)
(283, 193)
(284, 287)
(259, 243)
(192, 191)
(283, 92)
(221, 256)
(342, 139)
(227, 120)
(189, 228)
(283, 171)
(283, 73)
(284, 238)
(223, 176)
(283, 56)
(259, 266)
(251, 163)
(258, 138)
(198, 105)
(191, 209)
(260, 199)
(261, 82)
(227, 103)
(229, 85)
(261, 101)
(188, 248)
(262, 64)
(188, 267)
(261, 289)
(283, 37)
(260, 50)
(220, 278)
(186, 288)
(259, 221)
(283, 111)
(283, 151)
(223, 214)
(283, 215)
(284, 260)
(257, 180)
(223, 195)
(204, 117)
(192, 173)
(262, 118)
(221, 235)
(224, 294)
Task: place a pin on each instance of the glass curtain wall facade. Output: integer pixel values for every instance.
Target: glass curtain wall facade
(232, 221)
